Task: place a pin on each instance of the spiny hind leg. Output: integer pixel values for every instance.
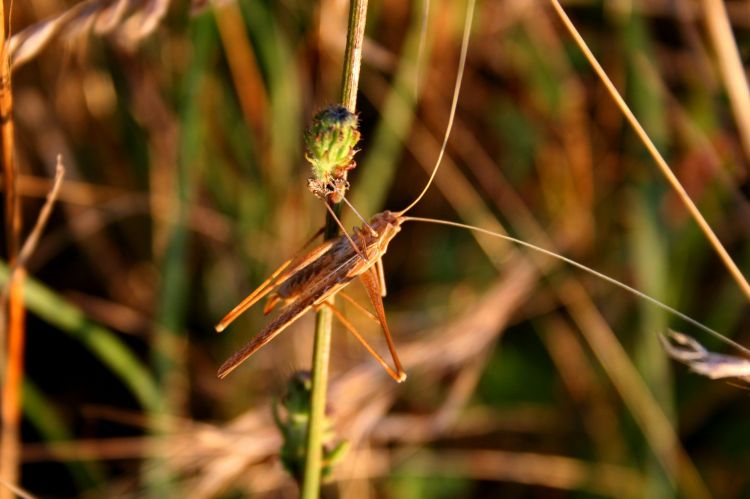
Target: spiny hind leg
(370, 280)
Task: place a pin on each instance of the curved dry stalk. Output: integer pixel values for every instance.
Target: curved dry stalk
(32, 240)
(674, 182)
(18, 491)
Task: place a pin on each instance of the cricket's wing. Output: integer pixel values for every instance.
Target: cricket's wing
(280, 275)
(288, 315)
(300, 262)
(251, 299)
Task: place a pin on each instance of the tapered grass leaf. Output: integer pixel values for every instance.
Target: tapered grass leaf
(100, 341)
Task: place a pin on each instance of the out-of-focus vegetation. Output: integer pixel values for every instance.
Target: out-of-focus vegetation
(186, 187)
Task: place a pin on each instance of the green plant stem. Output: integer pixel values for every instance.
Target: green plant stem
(321, 357)
(353, 56)
(324, 317)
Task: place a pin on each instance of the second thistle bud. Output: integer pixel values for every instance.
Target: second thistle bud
(292, 417)
(330, 148)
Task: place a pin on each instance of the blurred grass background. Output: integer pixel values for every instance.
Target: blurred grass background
(186, 187)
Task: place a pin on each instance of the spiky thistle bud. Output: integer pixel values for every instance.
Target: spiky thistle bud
(330, 148)
(293, 425)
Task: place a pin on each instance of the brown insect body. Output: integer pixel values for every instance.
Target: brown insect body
(341, 257)
(313, 278)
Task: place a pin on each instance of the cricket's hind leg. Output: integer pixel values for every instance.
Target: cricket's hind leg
(398, 375)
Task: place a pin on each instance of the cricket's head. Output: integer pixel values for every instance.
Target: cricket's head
(387, 224)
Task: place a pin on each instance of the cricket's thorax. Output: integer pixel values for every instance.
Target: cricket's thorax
(341, 262)
(387, 224)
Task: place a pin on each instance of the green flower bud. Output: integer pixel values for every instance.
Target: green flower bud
(292, 417)
(330, 143)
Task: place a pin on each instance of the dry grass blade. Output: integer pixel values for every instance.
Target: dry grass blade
(129, 21)
(18, 491)
(143, 21)
(674, 182)
(33, 238)
(730, 65)
(11, 390)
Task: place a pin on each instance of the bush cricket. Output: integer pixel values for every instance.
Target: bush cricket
(305, 282)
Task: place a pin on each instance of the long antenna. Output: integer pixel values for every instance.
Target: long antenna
(604, 277)
(343, 230)
(454, 104)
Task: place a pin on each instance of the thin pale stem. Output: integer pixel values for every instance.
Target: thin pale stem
(324, 318)
(655, 154)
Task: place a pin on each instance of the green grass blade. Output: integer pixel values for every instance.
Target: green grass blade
(100, 341)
